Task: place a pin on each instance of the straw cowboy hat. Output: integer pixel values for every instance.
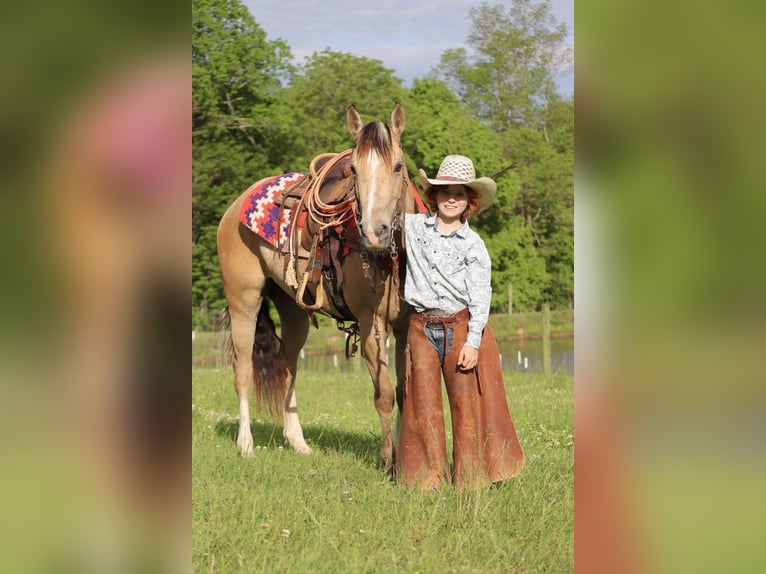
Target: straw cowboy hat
(458, 169)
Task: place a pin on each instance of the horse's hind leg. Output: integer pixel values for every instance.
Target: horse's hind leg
(295, 329)
(243, 321)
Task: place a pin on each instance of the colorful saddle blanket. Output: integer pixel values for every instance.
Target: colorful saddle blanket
(261, 215)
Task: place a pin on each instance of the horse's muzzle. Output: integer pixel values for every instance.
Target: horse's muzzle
(378, 238)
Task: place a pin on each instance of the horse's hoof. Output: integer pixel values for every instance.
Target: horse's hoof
(245, 447)
(247, 453)
(304, 449)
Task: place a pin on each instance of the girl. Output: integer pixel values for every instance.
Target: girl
(448, 286)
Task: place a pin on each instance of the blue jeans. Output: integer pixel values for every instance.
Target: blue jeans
(441, 338)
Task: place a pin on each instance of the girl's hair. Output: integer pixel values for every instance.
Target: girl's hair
(473, 200)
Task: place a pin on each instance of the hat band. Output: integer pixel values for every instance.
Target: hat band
(451, 178)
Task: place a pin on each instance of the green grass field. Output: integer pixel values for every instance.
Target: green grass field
(336, 511)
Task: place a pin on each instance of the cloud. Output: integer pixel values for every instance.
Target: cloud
(408, 37)
(408, 62)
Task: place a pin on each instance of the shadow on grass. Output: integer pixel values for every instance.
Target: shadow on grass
(365, 447)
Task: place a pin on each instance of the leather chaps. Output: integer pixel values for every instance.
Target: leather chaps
(485, 446)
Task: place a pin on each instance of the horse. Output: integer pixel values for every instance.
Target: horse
(254, 270)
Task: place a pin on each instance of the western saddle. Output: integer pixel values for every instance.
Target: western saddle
(323, 223)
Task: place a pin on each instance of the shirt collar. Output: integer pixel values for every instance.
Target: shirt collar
(431, 222)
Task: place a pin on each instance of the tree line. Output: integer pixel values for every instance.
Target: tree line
(255, 114)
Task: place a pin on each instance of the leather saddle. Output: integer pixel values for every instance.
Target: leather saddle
(323, 222)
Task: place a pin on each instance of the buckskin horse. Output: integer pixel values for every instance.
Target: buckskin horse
(358, 206)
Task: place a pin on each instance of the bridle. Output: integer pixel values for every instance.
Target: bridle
(394, 226)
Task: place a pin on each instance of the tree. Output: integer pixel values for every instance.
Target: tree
(236, 72)
(236, 78)
(507, 81)
(439, 124)
(510, 75)
(315, 103)
(545, 206)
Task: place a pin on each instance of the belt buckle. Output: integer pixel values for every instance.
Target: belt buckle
(437, 314)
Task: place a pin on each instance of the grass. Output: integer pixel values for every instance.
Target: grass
(510, 326)
(336, 511)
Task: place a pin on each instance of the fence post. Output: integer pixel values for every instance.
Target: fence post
(510, 298)
(546, 338)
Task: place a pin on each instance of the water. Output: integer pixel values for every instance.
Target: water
(524, 355)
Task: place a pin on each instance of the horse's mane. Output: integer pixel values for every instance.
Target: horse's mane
(375, 137)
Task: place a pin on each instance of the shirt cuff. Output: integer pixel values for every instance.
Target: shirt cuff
(473, 340)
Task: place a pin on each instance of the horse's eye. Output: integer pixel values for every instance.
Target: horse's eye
(353, 169)
(398, 168)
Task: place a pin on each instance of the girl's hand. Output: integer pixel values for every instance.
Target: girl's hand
(468, 358)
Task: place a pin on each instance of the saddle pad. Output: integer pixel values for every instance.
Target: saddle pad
(260, 214)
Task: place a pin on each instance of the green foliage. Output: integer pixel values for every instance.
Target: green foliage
(235, 70)
(545, 206)
(207, 285)
(438, 125)
(236, 77)
(506, 81)
(441, 125)
(510, 72)
(515, 262)
(319, 95)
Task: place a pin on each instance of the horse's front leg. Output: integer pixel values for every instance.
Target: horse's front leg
(374, 333)
(400, 334)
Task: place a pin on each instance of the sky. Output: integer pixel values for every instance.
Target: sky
(408, 36)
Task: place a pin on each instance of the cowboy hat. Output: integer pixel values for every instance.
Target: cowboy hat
(458, 169)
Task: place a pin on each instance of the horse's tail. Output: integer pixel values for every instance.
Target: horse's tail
(269, 364)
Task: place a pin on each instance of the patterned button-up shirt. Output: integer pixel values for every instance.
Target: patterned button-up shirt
(448, 272)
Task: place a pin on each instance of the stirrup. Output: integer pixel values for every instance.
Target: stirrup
(302, 289)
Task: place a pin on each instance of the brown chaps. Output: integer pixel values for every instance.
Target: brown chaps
(485, 446)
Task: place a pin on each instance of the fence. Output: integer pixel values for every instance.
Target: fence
(536, 354)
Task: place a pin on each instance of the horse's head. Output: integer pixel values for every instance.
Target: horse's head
(378, 166)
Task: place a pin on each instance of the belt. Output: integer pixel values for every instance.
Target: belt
(435, 318)
(436, 313)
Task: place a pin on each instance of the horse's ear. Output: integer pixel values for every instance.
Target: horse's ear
(398, 119)
(353, 121)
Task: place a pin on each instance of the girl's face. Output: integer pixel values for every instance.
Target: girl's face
(451, 201)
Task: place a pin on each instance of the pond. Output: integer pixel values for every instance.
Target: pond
(523, 355)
